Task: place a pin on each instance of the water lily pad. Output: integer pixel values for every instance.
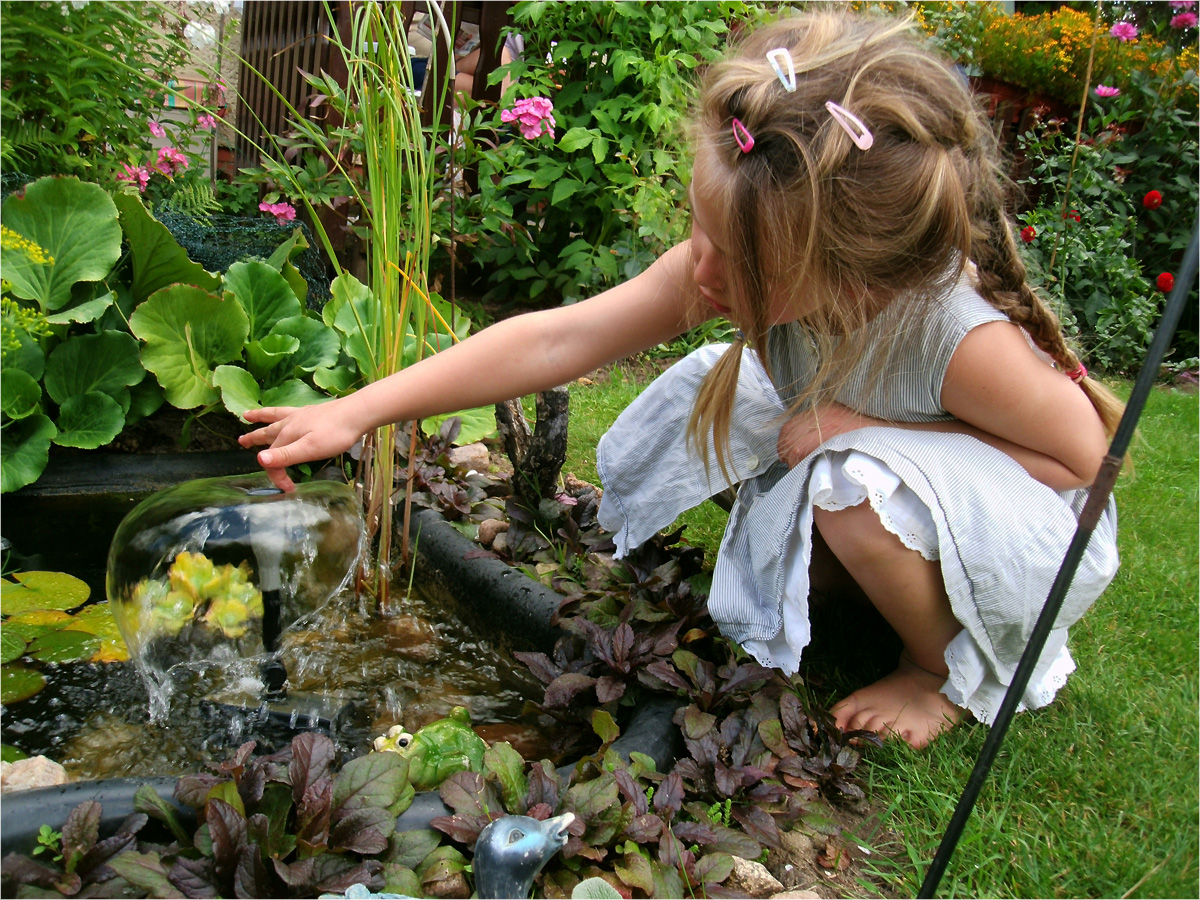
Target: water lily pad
(18, 683)
(96, 619)
(12, 646)
(64, 646)
(10, 754)
(42, 590)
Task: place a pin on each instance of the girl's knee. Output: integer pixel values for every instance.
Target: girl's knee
(854, 532)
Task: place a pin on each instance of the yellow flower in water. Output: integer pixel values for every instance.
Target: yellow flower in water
(10, 240)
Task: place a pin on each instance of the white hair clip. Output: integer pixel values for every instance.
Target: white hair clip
(779, 57)
(852, 125)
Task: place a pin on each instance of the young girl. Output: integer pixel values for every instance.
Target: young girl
(900, 406)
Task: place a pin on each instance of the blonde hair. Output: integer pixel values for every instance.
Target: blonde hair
(838, 232)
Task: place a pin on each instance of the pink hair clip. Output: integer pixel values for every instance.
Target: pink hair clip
(1078, 373)
(852, 125)
(744, 139)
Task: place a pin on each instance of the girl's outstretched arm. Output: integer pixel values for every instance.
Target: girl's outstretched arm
(1000, 392)
(510, 359)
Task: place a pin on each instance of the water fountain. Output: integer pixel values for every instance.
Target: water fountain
(206, 576)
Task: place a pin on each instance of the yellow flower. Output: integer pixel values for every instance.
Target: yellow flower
(11, 240)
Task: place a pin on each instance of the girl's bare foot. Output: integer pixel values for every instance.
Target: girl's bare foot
(907, 703)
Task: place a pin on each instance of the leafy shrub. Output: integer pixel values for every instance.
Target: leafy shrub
(72, 75)
(563, 216)
(1133, 197)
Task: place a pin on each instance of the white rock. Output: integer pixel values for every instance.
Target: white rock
(35, 772)
(489, 528)
(472, 456)
(751, 879)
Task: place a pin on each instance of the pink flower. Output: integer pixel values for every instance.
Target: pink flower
(1124, 31)
(1103, 90)
(138, 175)
(170, 161)
(283, 212)
(207, 122)
(532, 115)
(1184, 20)
(157, 130)
(1182, 4)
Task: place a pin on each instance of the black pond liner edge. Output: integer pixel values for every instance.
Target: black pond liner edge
(499, 594)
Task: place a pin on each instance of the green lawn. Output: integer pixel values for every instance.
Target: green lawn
(1096, 795)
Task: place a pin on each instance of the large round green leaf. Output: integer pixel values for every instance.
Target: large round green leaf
(42, 590)
(106, 362)
(158, 260)
(263, 356)
(72, 221)
(477, 424)
(28, 356)
(19, 683)
(25, 451)
(292, 393)
(319, 344)
(188, 332)
(90, 420)
(12, 646)
(64, 646)
(20, 394)
(239, 390)
(263, 293)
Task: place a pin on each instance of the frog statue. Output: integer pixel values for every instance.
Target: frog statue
(436, 751)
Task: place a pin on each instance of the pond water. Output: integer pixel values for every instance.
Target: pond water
(360, 671)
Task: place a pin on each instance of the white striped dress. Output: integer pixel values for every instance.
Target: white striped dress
(1000, 535)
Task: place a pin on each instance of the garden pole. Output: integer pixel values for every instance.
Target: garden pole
(1096, 502)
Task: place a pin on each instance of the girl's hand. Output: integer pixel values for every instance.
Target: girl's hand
(808, 429)
(298, 434)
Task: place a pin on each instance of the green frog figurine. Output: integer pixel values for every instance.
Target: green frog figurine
(438, 750)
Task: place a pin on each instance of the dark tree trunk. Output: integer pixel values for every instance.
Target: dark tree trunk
(538, 456)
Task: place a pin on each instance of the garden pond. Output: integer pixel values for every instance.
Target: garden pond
(353, 670)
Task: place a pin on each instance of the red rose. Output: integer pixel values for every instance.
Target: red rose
(1152, 200)
(1165, 281)
(1028, 233)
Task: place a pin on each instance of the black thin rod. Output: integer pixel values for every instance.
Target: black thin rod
(1096, 502)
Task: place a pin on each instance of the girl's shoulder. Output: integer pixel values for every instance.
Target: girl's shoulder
(961, 308)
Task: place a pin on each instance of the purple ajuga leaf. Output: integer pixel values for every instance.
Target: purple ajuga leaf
(227, 829)
(192, 790)
(194, 877)
(79, 833)
(312, 760)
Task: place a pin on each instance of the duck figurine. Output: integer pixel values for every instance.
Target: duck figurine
(511, 851)
(438, 750)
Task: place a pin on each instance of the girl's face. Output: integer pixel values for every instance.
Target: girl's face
(709, 254)
(709, 270)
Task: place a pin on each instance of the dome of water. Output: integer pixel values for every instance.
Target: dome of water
(212, 571)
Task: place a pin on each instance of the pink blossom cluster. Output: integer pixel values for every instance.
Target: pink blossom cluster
(531, 115)
(1103, 90)
(139, 175)
(170, 161)
(1183, 20)
(1124, 31)
(283, 212)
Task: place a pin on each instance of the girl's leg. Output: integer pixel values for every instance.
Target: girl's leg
(908, 591)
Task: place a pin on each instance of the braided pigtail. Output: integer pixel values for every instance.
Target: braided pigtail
(1002, 281)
